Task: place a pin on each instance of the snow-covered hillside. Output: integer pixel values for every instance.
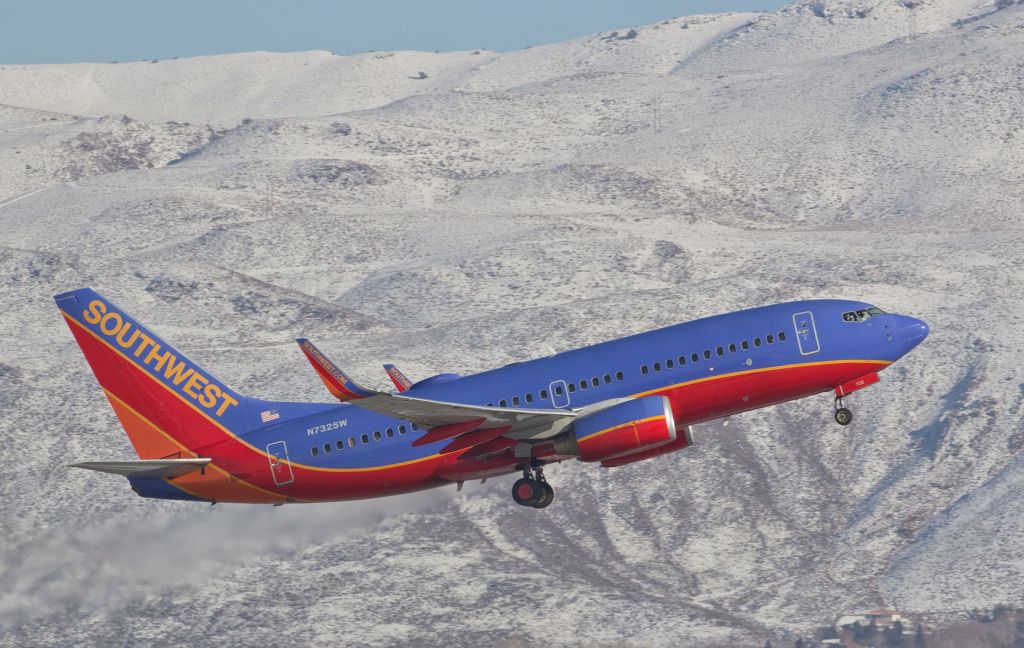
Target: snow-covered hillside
(504, 205)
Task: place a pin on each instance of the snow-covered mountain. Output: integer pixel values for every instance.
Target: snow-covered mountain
(504, 205)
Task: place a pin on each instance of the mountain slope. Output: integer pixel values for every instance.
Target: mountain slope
(505, 205)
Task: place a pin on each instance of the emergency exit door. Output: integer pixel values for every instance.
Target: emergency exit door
(806, 333)
(280, 466)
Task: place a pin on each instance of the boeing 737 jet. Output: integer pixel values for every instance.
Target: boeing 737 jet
(611, 404)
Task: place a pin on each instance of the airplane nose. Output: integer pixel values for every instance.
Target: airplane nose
(912, 331)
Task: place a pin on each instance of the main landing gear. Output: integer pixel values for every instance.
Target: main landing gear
(532, 490)
(843, 415)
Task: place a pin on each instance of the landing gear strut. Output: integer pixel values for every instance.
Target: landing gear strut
(843, 415)
(532, 490)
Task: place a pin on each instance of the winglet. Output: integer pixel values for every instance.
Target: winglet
(337, 381)
(402, 383)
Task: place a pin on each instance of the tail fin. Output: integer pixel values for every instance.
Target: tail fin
(168, 405)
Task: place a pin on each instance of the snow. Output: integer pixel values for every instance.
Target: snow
(505, 205)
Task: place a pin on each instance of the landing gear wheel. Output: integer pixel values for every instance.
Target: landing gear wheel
(548, 496)
(843, 416)
(527, 491)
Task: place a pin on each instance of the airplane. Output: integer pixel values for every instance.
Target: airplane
(613, 403)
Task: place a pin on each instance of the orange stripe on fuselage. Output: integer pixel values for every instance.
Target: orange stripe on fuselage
(719, 396)
(747, 372)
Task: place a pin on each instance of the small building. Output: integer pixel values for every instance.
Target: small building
(883, 618)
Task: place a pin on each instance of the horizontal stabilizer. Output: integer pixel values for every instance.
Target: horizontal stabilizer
(162, 468)
(337, 381)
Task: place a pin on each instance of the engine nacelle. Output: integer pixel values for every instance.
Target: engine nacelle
(635, 425)
(683, 440)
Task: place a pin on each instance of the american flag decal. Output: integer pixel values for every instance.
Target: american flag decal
(269, 415)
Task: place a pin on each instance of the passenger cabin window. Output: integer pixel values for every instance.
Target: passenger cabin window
(340, 445)
(543, 394)
(657, 366)
(744, 345)
(694, 357)
(720, 351)
(558, 390)
(682, 360)
(607, 379)
(390, 432)
(782, 336)
(669, 363)
(327, 448)
(583, 384)
(503, 403)
(529, 398)
(351, 442)
(770, 339)
(707, 354)
(757, 342)
(515, 401)
(732, 348)
(862, 315)
(401, 429)
(365, 438)
(376, 435)
(572, 388)
(643, 369)
(618, 375)
(596, 382)
(316, 451)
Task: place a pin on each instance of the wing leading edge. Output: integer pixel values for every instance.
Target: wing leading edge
(433, 414)
(443, 420)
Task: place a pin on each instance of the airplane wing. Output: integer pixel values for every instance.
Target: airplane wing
(443, 420)
(163, 468)
(433, 414)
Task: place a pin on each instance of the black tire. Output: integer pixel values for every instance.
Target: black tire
(548, 496)
(527, 492)
(843, 416)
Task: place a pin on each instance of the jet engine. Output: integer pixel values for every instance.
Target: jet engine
(633, 426)
(683, 440)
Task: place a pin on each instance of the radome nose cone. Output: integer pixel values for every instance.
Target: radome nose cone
(913, 331)
(925, 330)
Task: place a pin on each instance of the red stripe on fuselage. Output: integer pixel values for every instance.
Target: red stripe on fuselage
(718, 396)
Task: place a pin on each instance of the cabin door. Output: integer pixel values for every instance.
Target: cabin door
(559, 394)
(280, 466)
(806, 333)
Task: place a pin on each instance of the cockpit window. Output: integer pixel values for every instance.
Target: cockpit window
(862, 315)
